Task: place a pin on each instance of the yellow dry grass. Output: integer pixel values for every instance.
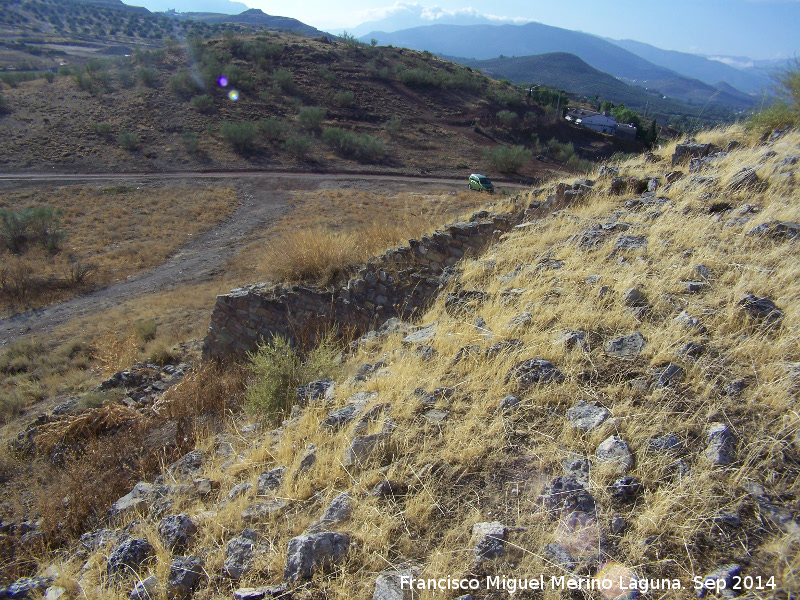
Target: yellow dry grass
(114, 232)
(480, 464)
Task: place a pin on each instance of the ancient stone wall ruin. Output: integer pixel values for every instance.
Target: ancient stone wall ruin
(399, 283)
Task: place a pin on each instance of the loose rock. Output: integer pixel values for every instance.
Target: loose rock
(615, 450)
(317, 551)
(628, 346)
(587, 417)
(721, 448)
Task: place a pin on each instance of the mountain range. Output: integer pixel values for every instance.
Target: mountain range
(481, 42)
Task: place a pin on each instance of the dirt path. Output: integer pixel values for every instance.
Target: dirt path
(264, 197)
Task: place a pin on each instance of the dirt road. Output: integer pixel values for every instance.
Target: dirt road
(264, 197)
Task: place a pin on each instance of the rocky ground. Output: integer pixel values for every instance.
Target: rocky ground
(607, 394)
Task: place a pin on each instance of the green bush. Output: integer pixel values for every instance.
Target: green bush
(126, 79)
(310, 118)
(278, 370)
(283, 79)
(298, 146)
(393, 125)
(784, 111)
(421, 78)
(580, 164)
(241, 136)
(37, 225)
(103, 129)
(562, 151)
(363, 148)
(272, 129)
(507, 117)
(129, 141)
(147, 77)
(344, 98)
(5, 107)
(507, 159)
(203, 104)
(184, 85)
(190, 142)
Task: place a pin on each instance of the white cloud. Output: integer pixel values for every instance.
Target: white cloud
(432, 13)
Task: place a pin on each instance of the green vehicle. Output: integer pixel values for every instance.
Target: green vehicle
(481, 183)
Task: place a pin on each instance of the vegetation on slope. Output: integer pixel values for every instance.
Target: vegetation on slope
(452, 457)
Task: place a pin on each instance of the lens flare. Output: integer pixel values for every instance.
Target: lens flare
(222, 81)
(233, 95)
(615, 582)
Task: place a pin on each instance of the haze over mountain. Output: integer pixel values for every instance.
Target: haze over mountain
(568, 72)
(491, 41)
(750, 80)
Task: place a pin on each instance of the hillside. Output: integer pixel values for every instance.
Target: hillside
(273, 101)
(570, 73)
(255, 19)
(603, 393)
(536, 38)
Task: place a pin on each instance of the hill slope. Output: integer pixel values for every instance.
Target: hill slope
(608, 393)
(570, 73)
(489, 41)
(272, 101)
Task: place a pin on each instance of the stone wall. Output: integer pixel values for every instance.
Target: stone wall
(399, 283)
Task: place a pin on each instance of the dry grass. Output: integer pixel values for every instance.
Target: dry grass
(329, 230)
(111, 234)
(483, 465)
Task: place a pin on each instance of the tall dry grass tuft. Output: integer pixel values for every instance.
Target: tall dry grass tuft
(114, 351)
(319, 255)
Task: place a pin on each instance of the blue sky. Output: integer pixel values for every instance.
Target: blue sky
(760, 29)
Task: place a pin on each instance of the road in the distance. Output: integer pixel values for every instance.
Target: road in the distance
(263, 198)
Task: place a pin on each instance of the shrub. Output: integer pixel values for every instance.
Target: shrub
(363, 148)
(507, 159)
(393, 125)
(278, 370)
(283, 79)
(126, 79)
(421, 78)
(190, 142)
(344, 98)
(31, 226)
(184, 85)
(129, 141)
(784, 111)
(147, 77)
(506, 117)
(5, 107)
(103, 129)
(203, 104)
(561, 151)
(145, 330)
(241, 136)
(298, 146)
(272, 129)
(311, 118)
(580, 164)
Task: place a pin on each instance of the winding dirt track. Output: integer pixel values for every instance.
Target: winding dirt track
(264, 197)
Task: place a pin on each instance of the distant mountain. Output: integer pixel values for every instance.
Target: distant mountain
(407, 15)
(568, 72)
(564, 71)
(490, 41)
(256, 18)
(227, 7)
(709, 71)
